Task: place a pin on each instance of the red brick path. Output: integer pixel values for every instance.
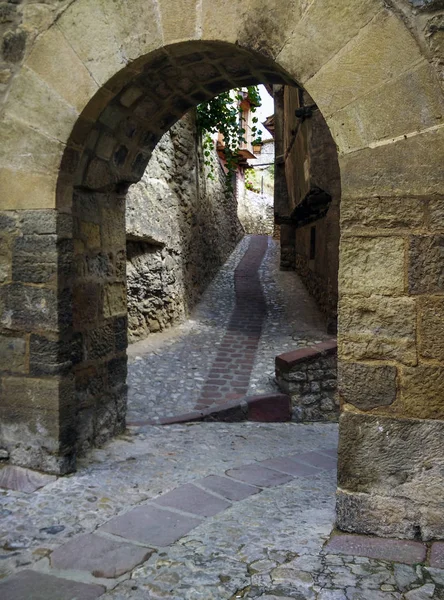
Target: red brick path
(229, 376)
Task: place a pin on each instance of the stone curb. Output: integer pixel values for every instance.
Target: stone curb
(309, 376)
(402, 551)
(266, 408)
(285, 362)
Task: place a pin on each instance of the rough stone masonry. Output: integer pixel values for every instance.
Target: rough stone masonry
(181, 225)
(308, 375)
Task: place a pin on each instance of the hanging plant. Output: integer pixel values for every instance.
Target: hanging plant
(222, 115)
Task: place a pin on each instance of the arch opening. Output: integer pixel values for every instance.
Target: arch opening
(108, 151)
(115, 135)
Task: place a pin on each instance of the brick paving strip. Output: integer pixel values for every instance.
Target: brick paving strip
(229, 376)
(90, 564)
(266, 408)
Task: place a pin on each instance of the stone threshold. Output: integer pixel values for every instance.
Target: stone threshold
(266, 408)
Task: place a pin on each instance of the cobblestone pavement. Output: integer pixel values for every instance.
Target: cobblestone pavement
(168, 372)
(203, 512)
(293, 320)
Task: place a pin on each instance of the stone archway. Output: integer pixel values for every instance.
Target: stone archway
(98, 86)
(114, 151)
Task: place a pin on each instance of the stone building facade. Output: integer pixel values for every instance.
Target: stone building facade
(265, 155)
(312, 188)
(181, 226)
(88, 90)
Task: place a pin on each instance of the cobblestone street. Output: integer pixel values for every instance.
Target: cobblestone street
(170, 373)
(200, 512)
(206, 511)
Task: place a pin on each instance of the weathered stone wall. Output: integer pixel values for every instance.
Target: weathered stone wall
(390, 308)
(309, 376)
(21, 21)
(99, 316)
(256, 213)
(181, 226)
(38, 346)
(311, 160)
(282, 207)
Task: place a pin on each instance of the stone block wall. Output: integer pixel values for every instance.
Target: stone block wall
(63, 281)
(38, 347)
(308, 376)
(99, 315)
(390, 340)
(181, 226)
(311, 160)
(19, 25)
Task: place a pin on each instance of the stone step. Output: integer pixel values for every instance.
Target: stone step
(31, 585)
(393, 550)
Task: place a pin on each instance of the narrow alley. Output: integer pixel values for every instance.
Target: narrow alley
(250, 313)
(207, 511)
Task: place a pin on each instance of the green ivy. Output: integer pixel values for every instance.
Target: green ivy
(221, 114)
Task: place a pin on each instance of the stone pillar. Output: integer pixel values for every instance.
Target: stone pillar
(100, 315)
(62, 330)
(391, 369)
(37, 344)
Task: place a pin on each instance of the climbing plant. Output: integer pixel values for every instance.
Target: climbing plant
(250, 181)
(222, 114)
